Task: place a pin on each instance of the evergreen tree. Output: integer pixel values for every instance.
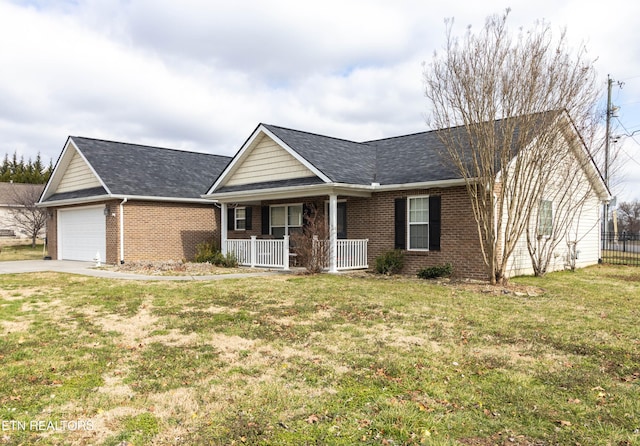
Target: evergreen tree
(5, 169)
(19, 171)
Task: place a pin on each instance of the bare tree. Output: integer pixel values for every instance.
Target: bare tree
(28, 218)
(565, 191)
(629, 214)
(499, 104)
(311, 245)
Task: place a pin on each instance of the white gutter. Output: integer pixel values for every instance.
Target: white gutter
(421, 185)
(95, 198)
(152, 198)
(340, 188)
(69, 201)
(122, 229)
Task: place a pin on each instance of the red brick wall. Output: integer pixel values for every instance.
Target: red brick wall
(153, 230)
(373, 218)
(167, 231)
(52, 233)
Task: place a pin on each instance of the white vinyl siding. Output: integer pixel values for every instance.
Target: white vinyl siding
(81, 233)
(77, 176)
(583, 231)
(545, 218)
(418, 222)
(267, 161)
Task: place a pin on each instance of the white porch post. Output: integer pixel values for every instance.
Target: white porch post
(333, 233)
(223, 229)
(285, 253)
(254, 251)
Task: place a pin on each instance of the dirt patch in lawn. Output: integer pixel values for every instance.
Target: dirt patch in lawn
(510, 289)
(14, 326)
(132, 330)
(176, 268)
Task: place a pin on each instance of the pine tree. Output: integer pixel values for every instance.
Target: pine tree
(5, 169)
(19, 171)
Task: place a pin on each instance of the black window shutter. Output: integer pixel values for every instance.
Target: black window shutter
(306, 214)
(400, 221)
(231, 219)
(434, 223)
(265, 220)
(247, 216)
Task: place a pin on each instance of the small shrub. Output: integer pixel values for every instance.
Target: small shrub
(228, 261)
(434, 272)
(391, 262)
(209, 253)
(205, 252)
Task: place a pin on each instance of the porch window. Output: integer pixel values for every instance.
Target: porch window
(286, 220)
(545, 218)
(240, 218)
(419, 223)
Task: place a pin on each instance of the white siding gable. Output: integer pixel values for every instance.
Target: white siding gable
(267, 161)
(77, 176)
(576, 215)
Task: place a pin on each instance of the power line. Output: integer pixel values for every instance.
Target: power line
(630, 78)
(630, 135)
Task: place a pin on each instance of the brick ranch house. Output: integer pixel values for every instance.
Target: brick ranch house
(132, 202)
(374, 196)
(127, 202)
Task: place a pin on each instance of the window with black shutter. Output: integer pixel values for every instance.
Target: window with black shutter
(400, 223)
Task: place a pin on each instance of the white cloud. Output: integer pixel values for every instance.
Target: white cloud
(200, 75)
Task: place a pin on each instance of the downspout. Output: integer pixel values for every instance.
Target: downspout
(122, 230)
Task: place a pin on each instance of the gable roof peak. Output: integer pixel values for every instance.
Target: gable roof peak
(144, 146)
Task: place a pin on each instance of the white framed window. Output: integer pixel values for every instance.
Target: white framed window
(285, 219)
(545, 218)
(240, 219)
(418, 223)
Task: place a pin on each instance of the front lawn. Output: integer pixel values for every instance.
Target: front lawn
(321, 360)
(20, 251)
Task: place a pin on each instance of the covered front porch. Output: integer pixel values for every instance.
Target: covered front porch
(284, 229)
(350, 254)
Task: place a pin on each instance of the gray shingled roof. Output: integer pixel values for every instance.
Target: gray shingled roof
(306, 181)
(137, 170)
(340, 160)
(415, 158)
(412, 158)
(399, 160)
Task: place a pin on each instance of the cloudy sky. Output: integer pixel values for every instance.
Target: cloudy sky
(201, 74)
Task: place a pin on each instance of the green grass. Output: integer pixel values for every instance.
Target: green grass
(20, 252)
(322, 360)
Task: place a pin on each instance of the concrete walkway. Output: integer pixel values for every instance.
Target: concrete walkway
(88, 269)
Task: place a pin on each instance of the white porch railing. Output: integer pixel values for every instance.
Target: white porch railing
(351, 254)
(264, 253)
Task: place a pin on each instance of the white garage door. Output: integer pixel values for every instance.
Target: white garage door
(81, 233)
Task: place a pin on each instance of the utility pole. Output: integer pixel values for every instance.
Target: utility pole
(607, 137)
(608, 134)
(611, 109)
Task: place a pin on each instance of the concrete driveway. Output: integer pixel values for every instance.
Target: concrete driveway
(88, 269)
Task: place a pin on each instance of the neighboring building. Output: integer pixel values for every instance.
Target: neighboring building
(127, 202)
(375, 196)
(12, 198)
